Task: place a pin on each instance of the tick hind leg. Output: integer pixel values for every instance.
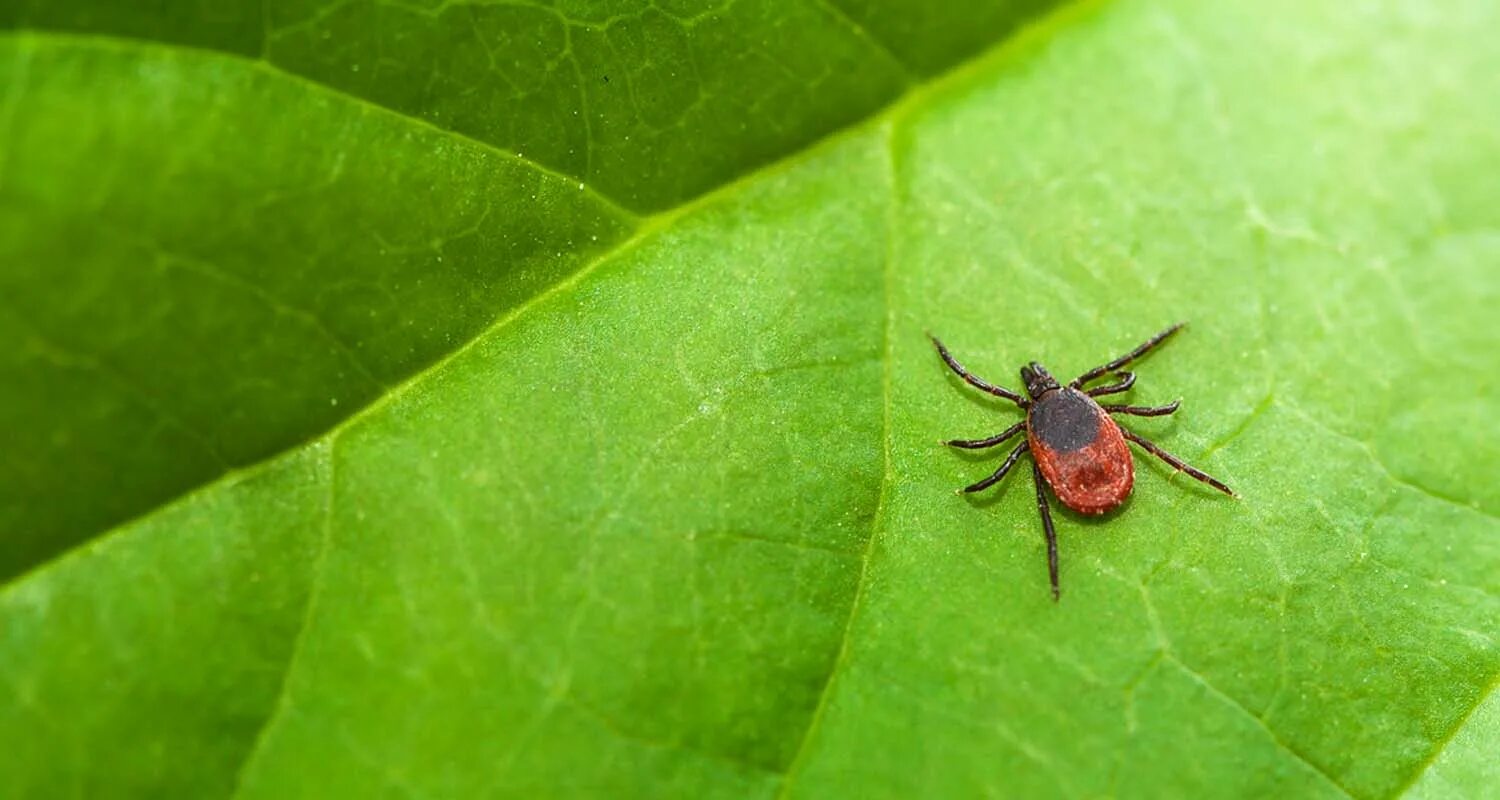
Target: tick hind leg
(1177, 463)
(1046, 512)
(1144, 348)
(994, 478)
(974, 380)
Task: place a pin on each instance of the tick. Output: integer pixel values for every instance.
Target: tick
(1076, 447)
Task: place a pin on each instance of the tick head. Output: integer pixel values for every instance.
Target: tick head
(1037, 379)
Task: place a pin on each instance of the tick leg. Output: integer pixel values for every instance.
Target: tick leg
(994, 478)
(1126, 380)
(1046, 512)
(1144, 411)
(1177, 463)
(976, 382)
(1144, 348)
(980, 444)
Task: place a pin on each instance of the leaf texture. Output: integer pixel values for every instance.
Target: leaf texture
(509, 462)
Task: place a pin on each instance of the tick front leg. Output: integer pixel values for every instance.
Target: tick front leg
(994, 478)
(1177, 463)
(974, 380)
(1046, 512)
(1144, 411)
(1124, 380)
(980, 444)
(1144, 348)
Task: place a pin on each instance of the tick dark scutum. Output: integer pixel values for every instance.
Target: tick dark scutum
(1076, 447)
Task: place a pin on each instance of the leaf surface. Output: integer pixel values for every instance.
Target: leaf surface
(520, 473)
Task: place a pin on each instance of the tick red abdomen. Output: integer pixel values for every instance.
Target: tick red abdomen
(1080, 451)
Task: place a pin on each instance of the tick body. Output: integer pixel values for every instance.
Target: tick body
(1077, 448)
(1080, 450)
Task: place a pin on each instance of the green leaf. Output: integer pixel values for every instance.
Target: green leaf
(395, 430)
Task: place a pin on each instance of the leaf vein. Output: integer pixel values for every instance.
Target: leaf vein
(1442, 744)
(175, 50)
(877, 521)
(1201, 680)
(282, 702)
(1374, 457)
(65, 357)
(864, 34)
